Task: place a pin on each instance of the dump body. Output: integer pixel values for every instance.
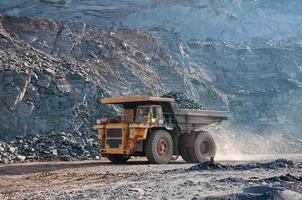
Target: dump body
(189, 120)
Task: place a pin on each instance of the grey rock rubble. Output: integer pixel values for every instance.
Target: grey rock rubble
(279, 163)
(260, 192)
(50, 146)
(58, 145)
(9, 154)
(286, 177)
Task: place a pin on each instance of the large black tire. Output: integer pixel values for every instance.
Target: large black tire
(118, 159)
(204, 148)
(159, 147)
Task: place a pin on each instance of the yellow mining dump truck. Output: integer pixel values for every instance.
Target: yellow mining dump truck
(158, 129)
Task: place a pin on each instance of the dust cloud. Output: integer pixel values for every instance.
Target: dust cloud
(235, 144)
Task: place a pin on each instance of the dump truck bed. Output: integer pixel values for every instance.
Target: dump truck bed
(192, 120)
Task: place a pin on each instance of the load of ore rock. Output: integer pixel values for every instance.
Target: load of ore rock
(183, 101)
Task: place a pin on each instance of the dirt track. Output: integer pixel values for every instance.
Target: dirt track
(136, 180)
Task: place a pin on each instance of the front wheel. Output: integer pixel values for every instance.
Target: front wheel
(159, 147)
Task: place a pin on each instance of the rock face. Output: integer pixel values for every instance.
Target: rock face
(52, 74)
(262, 80)
(226, 20)
(241, 56)
(246, 51)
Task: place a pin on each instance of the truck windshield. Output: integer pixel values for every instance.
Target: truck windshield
(142, 115)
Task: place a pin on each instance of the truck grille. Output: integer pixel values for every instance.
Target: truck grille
(114, 137)
(114, 143)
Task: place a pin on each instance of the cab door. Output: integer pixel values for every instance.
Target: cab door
(156, 115)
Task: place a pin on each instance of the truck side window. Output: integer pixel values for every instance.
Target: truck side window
(142, 115)
(154, 112)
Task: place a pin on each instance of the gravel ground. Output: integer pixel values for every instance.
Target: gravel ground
(139, 180)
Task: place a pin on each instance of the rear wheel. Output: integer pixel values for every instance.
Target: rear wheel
(159, 147)
(118, 159)
(204, 148)
(198, 147)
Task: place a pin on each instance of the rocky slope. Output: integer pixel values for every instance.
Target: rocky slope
(242, 56)
(262, 80)
(52, 73)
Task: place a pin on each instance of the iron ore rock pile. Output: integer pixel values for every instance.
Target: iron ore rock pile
(183, 101)
(56, 145)
(9, 154)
